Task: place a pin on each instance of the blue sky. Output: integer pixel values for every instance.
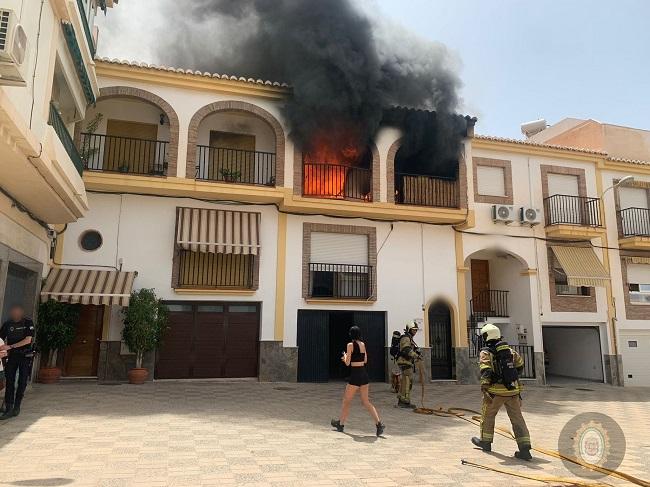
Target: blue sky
(520, 59)
(524, 60)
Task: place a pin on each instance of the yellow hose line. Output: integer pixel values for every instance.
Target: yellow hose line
(476, 421)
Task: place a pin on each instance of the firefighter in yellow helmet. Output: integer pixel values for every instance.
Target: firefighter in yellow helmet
(409, 353)
(500, 367)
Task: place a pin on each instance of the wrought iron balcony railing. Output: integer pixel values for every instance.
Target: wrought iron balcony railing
(413, 189)
(127, 155)
(489, 303)
(527, 352)
(57, 123)
(561, 209)
(336, 181)
(235, 165)
(341, 281)
(635, 222)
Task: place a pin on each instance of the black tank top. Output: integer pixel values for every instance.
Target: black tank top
(357, 354)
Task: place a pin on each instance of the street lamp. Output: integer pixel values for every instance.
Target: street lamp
(626, 179)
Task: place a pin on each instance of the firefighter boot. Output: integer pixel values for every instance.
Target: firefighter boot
(483, 445)
(524, 453)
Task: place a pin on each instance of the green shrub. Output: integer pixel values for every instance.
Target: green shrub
(57, 326)
(145, 322)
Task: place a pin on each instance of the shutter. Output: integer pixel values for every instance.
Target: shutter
(633, 198)
(638, 274)
(491, 181)
(339, 248)
(563, 184)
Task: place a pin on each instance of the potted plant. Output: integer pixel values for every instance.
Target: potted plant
(145, 321)
(57, 326)
(230, 175)
(91, 144)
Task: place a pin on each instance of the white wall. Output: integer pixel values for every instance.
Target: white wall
(407, 278)
(129, 110)
(138, 231)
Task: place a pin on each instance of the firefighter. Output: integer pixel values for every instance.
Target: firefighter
(500, 367)
(409, 354)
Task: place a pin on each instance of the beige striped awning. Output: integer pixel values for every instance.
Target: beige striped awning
(217, 231)
(638, 260)
(87, 286)
(581, 265)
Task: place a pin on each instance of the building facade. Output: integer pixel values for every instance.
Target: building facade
(47, 79)
(265, 255)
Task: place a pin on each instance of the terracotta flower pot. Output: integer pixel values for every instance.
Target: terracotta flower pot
(138, 376)
(49, 375)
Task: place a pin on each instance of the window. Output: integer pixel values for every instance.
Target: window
(638, 277)
(90, 240)
(205, 270)
(632, 344)
(562, 287)
(491, 181)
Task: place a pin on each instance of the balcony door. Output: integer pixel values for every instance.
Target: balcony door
(231, 157)
(480, 270)
(130, 146)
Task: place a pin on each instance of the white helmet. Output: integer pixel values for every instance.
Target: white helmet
(412, 325)
(490, 332)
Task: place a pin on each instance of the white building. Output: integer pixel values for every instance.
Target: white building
(266, 259)
(47, 79)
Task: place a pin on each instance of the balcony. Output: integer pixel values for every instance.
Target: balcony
(235, 166)
(336, 181)
(127, 155)
(340, 281)
(634, 228)
(491, 303)
(572, 217)
(56, 121)
(421, 190)
(86, 27)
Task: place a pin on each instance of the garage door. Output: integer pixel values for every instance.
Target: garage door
(210, 340)
(573, 352)
(636, 359)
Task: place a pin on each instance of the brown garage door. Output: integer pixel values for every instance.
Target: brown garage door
(210, 340)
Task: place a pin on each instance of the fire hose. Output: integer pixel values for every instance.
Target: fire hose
(475, 419)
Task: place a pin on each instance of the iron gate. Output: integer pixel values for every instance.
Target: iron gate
(440, 341)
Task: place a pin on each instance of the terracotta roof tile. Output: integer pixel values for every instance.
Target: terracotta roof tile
(538, 144)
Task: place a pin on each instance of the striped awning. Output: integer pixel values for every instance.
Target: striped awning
(87, 286)
(217, 231)
(638, 260)
(581, 265)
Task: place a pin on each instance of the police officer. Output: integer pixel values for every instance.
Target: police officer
(17, 334)
(409, 353)
(498, 391)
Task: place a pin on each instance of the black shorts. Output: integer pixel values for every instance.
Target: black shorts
(358, 376)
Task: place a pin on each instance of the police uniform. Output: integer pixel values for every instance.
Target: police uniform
(496, 395)
(408, 354)
(18, 360)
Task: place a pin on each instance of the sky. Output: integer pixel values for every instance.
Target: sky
(519, 60)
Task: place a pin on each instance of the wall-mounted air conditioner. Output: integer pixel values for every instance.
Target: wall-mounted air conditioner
(13, 50)
(503, 213)
(530, 216)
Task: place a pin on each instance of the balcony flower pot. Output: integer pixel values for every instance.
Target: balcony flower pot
(56, 331)
(49, 375)
(138, 375)
(145, 322)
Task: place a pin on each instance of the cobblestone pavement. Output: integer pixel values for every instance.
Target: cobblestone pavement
(245, 433)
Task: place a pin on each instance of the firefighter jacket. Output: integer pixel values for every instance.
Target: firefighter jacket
(408, 350)
(489, 375)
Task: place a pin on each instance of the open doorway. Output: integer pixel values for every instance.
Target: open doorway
(323, 336)
(572, 354)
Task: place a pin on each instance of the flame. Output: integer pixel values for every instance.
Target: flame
(326, 164)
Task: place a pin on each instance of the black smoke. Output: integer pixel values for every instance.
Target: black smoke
(345, 70)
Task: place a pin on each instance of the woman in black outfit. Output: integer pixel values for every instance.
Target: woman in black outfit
(356, 357)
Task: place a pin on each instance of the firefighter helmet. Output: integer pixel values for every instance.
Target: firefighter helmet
(490, 332)
(412, 325)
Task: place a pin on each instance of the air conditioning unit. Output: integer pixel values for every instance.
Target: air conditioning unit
(503, 213)
(13, 50)
(530, 216)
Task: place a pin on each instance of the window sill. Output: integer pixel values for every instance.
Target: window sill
(226, 292)
(370, 301)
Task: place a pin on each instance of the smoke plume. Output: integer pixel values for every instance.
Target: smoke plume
(344, 68)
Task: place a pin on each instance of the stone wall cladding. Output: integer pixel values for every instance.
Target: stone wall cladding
(571, 304)
(568, 171)
(235, 106)
(390, 174)
(277, 362)
(138, 94)
(507, 175)
(309, 228)
(298, 163)
(113, 366)
(632, 311)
